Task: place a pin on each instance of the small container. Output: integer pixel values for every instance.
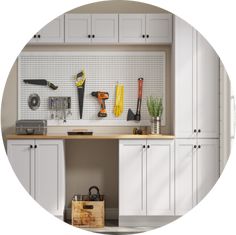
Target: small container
(155, 125)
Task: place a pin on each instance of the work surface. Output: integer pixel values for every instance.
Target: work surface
(72, 137)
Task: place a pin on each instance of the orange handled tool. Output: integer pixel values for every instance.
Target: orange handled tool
(137, 116)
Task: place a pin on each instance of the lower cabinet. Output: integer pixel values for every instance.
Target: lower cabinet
(40, 167)
(197, 164)
(146, 177)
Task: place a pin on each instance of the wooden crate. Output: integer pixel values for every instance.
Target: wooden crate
(88, 214)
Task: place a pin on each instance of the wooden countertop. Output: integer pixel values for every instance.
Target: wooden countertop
(92, 137)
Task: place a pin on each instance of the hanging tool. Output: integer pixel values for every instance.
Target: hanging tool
(41, 82)
(137, 116)
(118, 109)
(80, 83)
(101, 96)
(34, 101)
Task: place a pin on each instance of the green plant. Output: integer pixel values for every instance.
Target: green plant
(155, 106)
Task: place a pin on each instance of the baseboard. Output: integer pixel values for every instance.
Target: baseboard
(146, 221)
(110, 213)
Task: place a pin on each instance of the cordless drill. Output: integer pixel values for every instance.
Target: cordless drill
(102, 96)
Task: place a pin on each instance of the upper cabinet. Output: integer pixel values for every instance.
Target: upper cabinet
(53, 32)
(145, 28)
(95, 28)
(196, 84)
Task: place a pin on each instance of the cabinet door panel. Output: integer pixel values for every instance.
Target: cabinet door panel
(159, 28)
(208, 97)
(53, 32)
(185, 81)
(105, 28)
(21, 157)
(160, 177)
(77, 28)
(132, 177)
(185, 176)
(132, 28)
(208, 163)
(49, 170)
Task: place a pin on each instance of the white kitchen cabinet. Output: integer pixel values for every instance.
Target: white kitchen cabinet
(145, 28)
(160, 177)
(132, 28)
(196, 171)
(132, 177)
(208, 166)
(78, 28)
(159, 28)
(21, 157)
(146, 177)
(53, 32)
(196, 73)
(40, 167)
(91, 28)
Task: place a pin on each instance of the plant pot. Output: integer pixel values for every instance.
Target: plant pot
(155, 125)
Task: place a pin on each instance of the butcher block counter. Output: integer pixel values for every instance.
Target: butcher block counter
(92, 137)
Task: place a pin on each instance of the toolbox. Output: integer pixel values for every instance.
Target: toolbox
(31, 127)
(88, 210)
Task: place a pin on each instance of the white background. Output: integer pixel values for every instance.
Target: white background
(19, 20)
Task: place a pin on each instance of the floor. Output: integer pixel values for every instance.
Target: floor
(112, 227)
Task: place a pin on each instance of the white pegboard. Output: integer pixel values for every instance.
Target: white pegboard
(103, 71)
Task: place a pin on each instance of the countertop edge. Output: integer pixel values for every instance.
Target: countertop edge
(74, 137)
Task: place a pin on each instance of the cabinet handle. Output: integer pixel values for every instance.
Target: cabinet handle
(199, 131)
(148, 146)
(143, 36)
(39, 36)
(199, 146)
(89, 36)
(35, 36)
(195, 130)
(93, 36)
(35, 146)
(31, 146)
(147, 36)
(195, 146)
(144, 146)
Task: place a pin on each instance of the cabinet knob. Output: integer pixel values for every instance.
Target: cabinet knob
(148, 146)
(31, 146)
(199, 146)
(195, 130)
(39, 36)
(147, 36)
(93, 36)
(195, 146)
(89, 36)
(144, 146)
(35, 36)
(199, 131)
(35, 146)
(143, 36)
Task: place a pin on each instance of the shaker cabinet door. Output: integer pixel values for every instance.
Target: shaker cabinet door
(105, 28)
(185, 175)
(160, 177)
(49, 175)
(78, 28)
(132, 28)
(185, 81)
(21, 157)
(208, 90)
(208, 165)
(132, 177)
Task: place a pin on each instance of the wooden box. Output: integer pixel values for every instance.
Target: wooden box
(88, 214)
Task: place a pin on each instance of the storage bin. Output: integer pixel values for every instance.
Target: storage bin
(88, 214)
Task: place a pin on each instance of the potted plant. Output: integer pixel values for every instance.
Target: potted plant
(155, 109)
